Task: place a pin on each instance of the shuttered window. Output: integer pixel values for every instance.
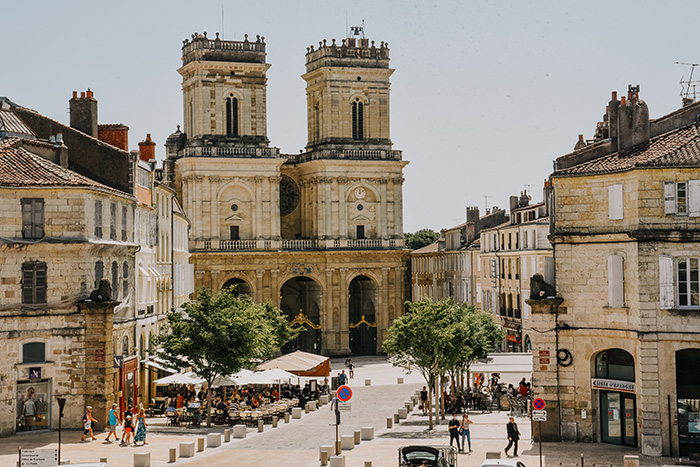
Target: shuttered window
(615, 201)
(98, 218)
(99, 272)
(123, 223)
(113, 221)
(32, 218)
(33, 282)
(125, 279)
(669, 198)
(665, 282)
(616, 281)
(694, 198)
(115, 280)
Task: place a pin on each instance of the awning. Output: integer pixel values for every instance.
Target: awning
(511, 366)
(300, 364)
(180, 378)
(153, 363)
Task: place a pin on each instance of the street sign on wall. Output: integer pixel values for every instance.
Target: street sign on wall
(539, 415)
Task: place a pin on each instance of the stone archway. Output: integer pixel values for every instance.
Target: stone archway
(362, 316)
(240, 287)
(301, 303)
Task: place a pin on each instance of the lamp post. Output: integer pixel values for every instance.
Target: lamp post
(61, 405)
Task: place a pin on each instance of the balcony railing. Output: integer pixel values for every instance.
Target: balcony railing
(300, 244)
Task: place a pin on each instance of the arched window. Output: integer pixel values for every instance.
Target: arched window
(99, 272)
(115, 280)
(358, 120)
(125, 346)
(615, 364)
(125, 279)
(232, 116)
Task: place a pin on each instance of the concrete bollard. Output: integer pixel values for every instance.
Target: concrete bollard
(409, 406)
(187, 449)
(312, 406)
(347, 442)
(399, 380)
(324, 399)
(357, 435)
(213, 440)
(286, 417)
(415, 400)
(275, 421)
(368, 382)
(389, 422)
(631, 461)
(200, 444)
(296, 412)
(172, 455)
(493, 455)
(338, 461)
(142, 459)
(261, 426)
(227, 435)
(239, 431)
(367, 433)
(307, 408)
(396, 418)
(324, 457)
(403, 413)
(327, 449)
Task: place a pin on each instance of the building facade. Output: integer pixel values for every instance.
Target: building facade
(318, 234)
(618, 350)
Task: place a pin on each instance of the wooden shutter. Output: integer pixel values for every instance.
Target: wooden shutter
(615, 201)
(40, 283)
(616, 288)
(33, 282)
(669, 198)
(666, 293)
(38, 217)
(27, 218)
(694, 198)
(28, 283)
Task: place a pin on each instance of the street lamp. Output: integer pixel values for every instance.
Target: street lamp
(61, 405)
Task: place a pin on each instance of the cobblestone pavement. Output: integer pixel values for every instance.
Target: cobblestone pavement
(296, 444)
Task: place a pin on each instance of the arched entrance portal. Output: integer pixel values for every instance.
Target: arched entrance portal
(301, 299)
(240, 287)
(362, 316)
(614, 378)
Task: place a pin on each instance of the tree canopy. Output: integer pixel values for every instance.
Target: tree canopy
(218, 335)
(420, 238)
(441, 337)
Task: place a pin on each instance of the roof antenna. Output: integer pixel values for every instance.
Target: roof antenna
(686, 96)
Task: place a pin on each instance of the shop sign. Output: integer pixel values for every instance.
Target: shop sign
(35, 372)
(511, 325)
(99, 355)
(613, 385)
(38, 457)
(543, 353)
(513, 339)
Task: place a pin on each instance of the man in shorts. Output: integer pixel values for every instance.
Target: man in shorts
(128, 425)
(113, 422)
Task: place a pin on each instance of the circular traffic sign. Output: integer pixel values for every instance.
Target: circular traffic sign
(344, 393)
(538, 404)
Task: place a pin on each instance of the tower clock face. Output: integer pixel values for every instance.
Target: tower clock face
(360, 192)
(289, 195)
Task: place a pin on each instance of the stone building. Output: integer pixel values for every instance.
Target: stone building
(319, 234)
(511, 253)
(618, 350)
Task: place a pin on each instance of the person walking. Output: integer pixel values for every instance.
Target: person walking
(424, 400)
(342, 378)
(513, 436)
(453, 426)
(113, 422)
(88, 421)
(140, 435)
(464, 429)
(351, 368)
(128, 425)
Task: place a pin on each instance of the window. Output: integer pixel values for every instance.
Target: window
(616, 281)
(125, 346)
(113, 221)
(357, 120)
(115, 280)
(98, 218)
(125, 279)
(615, 364)
(232, 116)
(144, 178)
(99, 272)
(688, 282)
(123, 223)
(34, 352)
(360, 231)
(235, 232)
(615, 201)
(33, 282)
(682, 198)
(32, 217)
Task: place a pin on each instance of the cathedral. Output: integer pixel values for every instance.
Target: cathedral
(319, 234)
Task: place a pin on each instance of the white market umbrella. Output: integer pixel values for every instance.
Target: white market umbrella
(278, 374)
(180, 378)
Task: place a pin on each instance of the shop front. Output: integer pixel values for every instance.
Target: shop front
(614, 383)
(33, 404)
(688, 401)
(128, 383)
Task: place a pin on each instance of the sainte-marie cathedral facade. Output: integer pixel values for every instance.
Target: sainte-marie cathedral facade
(319, 234)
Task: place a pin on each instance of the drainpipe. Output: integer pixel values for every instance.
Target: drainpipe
(172, 253)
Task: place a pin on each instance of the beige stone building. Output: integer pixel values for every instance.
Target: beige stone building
(319, 234)
(617, 354)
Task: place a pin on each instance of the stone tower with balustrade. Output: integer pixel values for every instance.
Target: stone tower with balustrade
(319, 234)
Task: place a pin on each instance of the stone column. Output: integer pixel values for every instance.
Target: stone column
(258, 230)
(328, 326)
(648, 402)
(382, 221)
(275, 287)
(199, 278)
(98, 374)
(344, 325)
(214, 229)
(328, 201)
(275, 228)
(259, 292)
(342, 207)
(385, 301)
(398, 205)
(214, 280)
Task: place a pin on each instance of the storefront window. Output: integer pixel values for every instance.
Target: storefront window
(613, 368)
(615, 364)
(33, 405)
(688, 400)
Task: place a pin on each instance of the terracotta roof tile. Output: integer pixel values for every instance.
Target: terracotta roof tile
(678, 148)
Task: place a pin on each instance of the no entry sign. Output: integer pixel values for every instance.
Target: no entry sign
(538, 404)
(344, 393)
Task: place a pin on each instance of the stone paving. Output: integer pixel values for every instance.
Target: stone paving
(297, 443)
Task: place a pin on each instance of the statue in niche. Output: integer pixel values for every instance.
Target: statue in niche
(539, 289)
(103, 293)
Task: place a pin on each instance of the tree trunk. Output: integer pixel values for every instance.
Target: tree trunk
(209, 401)
(429, 409)
(442, 397)
(436, 384)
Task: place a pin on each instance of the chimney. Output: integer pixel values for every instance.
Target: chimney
(581, 143)
(115, 134)
(147, 149)
(472, 214)
(628, 120)
(83, 113)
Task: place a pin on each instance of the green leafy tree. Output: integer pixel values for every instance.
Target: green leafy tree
(219, 335)
(420, 238)
(437, 337)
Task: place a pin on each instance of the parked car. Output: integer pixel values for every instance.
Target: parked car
(433, 456)
(502, 462)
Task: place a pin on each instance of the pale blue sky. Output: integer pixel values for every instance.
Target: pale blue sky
(485, 94)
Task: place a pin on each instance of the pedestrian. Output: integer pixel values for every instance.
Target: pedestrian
(424, 400)
(140, 435)
(128, 425)
(464, 429)
(453, 426)
(513, 436)
(113, 422)
(342, 378)
(88, 421)
(351, 368)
